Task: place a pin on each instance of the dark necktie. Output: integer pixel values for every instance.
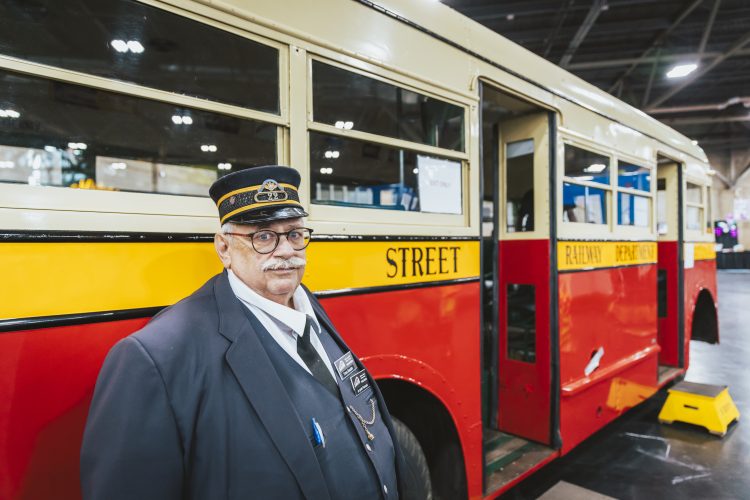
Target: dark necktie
(313, 360)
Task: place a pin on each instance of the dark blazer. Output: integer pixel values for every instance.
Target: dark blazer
(190, 407)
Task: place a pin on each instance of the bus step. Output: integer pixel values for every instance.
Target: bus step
(507, 457)
(708, 406)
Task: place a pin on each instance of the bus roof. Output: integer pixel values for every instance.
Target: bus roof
(444, 22)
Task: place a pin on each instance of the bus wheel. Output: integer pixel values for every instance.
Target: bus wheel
(415, 479)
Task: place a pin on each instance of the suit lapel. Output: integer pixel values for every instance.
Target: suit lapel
(256, 375)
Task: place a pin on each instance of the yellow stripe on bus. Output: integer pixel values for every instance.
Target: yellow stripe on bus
(45, 279)
(703, 251)
(335, 265)
(48, 279)
(577, 255)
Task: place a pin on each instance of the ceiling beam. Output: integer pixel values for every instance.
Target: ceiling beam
(709, 27)
(739, 44)
(658, 41)
(561, 15)
(597, 6)
(688, 56)
(702, 120)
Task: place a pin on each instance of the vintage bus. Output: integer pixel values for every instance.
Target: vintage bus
(517, 256)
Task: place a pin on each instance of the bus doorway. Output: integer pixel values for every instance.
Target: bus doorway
(516, 301)
(670, 284)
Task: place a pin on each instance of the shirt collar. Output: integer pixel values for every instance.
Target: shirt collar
(294, 319)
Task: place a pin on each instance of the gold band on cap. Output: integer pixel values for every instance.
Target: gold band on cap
(252, 188)
(256, 205)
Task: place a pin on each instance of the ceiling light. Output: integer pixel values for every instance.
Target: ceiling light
(585, 178)
(416, 170)
(122, 46)
(7, 164)
(346, 125)
(595, 168)
(510, 17)
(77, 145)
(119, 45)
(681, 70)
(9, 113)
(182, 120)
(118, 166)
(225, 166)
(135, 46)
(695, 143)
(209, 148)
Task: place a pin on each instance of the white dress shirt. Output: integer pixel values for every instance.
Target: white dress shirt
(283, 323)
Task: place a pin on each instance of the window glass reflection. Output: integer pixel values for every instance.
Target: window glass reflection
(519, 185)
(584, 165)
(347, 172)
(693, 193)
(584, 204)
(349, 100)
(70, 135)
(127, 40)
(633, 210)
(633, 176)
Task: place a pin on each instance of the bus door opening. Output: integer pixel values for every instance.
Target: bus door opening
(523, 292)
(516, 300)
(670, 272)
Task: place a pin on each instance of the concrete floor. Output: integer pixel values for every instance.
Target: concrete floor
(638, 458)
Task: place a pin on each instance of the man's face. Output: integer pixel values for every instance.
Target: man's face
(274, 275)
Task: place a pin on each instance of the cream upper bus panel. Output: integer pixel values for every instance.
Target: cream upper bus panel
(459, 29)
(355, 30)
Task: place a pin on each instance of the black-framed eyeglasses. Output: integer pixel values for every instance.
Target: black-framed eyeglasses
(266, 240)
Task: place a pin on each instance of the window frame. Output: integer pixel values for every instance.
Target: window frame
(702, 207)
(69, 207)
(649, 230)
(354, 214)
(596, 230)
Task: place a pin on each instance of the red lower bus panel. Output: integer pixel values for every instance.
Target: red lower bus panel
(668, 328)
(427, 336)
(47, 379)
(702, 276)
(615, 310)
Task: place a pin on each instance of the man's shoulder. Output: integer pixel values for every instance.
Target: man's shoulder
(189, 321)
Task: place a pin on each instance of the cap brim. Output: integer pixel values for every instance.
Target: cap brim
(268, 215)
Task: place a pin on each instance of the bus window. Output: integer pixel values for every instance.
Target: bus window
(521, 314)
(662, 226)
(693, 206)
(519, 186)
(352, 101)
(129, 41)
(583, 202)
(634, 195)
(75, 136)
(349, 172)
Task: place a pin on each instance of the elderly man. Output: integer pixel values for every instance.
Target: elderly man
(244, 389)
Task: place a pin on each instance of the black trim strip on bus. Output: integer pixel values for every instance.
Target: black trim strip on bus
(349, 237)
(680, 270)
(458, 46)
(125, 237)
(495, 332)
(604, 268)
(392, 288)
(11, 325)
(554, 327)
(45, 236)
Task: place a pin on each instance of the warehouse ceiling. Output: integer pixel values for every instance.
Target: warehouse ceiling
(626, 47)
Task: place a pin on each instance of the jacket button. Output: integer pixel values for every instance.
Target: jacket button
(368, 447)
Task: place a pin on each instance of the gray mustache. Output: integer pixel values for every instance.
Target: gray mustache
(290, 263)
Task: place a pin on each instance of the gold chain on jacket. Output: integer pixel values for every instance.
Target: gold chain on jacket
(364, 422)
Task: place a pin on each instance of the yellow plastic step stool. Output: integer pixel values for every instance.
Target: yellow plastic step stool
(709, 406)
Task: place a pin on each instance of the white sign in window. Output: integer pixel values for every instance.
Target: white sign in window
(439, 185)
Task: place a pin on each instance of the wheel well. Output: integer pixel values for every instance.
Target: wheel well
(705, 323)
(431, 423)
